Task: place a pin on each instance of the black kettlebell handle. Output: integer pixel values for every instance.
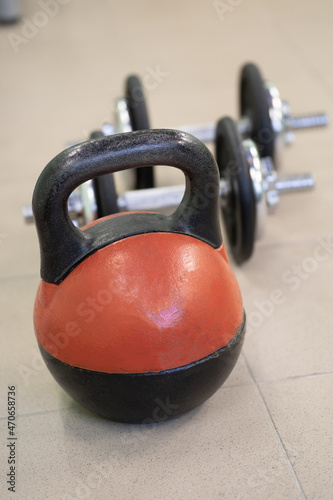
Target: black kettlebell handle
(63, 246)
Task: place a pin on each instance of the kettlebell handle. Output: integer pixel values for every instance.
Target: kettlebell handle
(63, 246)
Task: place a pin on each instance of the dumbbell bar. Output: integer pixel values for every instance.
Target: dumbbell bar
(265, 117)
(162, 198)
(248, 186)
(206, 132)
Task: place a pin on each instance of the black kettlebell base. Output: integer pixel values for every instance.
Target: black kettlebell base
(143, 398)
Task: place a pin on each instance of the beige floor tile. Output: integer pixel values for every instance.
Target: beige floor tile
(301, 216)
(301, 31)
(18, 241)
(302, 411)
(22, 364)
(19, 253)
(291, 337)
(234, 455)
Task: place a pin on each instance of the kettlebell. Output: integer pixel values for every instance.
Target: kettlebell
(138, 316)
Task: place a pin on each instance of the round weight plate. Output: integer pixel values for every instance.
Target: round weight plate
(238, 208)
(139, 118)
(254, 105)
(104, 189)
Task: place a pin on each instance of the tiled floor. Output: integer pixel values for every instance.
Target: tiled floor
(268, 432)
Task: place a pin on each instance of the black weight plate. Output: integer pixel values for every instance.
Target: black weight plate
(139, 119)
(239, 211)
(104, 189)
(254, 105)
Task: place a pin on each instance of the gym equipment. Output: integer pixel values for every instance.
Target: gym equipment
(249, 188)
(138, 316)
(264, 117)
(87, 203)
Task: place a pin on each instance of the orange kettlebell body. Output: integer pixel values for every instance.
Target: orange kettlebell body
(149, 303)
(136, 308)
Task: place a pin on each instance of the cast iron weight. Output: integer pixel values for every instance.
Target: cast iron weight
(86, 204)
(160, 334)
(265, 119)
(244, 175)
(264, 116)
(249, 188)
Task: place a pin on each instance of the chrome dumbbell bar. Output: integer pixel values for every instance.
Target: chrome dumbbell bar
(82, 204)
(253, 179)
(265, 117)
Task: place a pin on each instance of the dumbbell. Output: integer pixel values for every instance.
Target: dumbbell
(98, 197)
(249, 188)
(264, 117)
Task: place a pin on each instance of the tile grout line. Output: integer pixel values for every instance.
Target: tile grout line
(298, 484)
(294, 377)
(291, 243)
(44, 412)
